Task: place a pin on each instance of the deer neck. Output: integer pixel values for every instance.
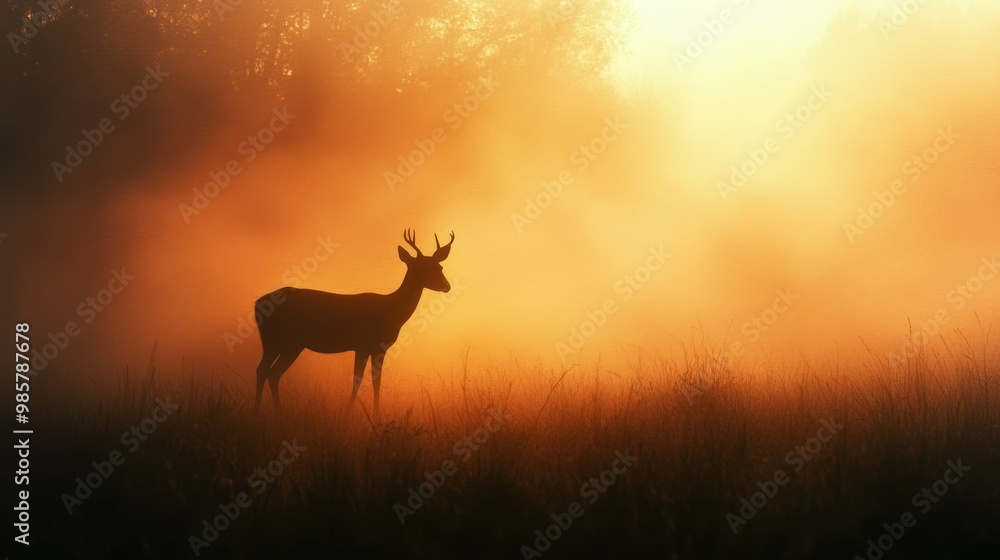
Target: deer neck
(407, 297)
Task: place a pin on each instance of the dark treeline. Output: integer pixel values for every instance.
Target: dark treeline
(368, 64)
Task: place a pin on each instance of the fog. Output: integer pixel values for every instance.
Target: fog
(799, 181)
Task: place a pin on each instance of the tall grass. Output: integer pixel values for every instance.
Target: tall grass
(705, 433)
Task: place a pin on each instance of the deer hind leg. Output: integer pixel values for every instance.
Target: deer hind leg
(360, 359)
(265, 364)
(283, 362)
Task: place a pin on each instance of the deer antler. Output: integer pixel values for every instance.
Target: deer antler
(438, 243)
(442, 252)
(410, 237)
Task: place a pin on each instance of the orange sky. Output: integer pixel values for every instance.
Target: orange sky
(650, 226)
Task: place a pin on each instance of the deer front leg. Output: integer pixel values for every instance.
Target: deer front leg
(266, 361)
(377, 377)
(360, 359)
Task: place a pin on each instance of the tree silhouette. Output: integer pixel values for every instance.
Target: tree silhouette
(228, 61)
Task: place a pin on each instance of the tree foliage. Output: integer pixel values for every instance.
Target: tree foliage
(228, 58)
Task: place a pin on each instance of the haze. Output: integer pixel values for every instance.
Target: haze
(596, 155)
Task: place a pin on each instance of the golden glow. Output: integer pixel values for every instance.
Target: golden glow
(883, 98)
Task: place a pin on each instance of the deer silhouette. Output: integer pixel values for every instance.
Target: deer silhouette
(330, 323)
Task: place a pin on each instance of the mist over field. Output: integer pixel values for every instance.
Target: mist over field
(842, 155)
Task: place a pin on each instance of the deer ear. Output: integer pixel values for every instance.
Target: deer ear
(404, 256)
(442, 253)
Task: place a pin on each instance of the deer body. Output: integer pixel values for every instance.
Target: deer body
(367, 324)
(329, 323)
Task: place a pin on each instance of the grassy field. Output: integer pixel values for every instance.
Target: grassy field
(690, 440)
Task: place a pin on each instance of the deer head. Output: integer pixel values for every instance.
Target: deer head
(427, 271)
